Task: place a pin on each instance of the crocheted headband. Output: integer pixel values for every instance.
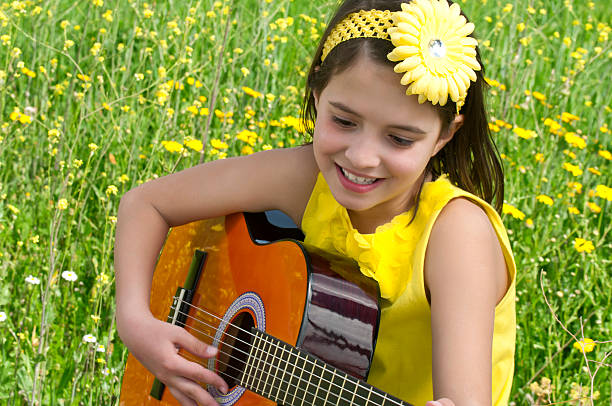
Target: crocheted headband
(432, 45)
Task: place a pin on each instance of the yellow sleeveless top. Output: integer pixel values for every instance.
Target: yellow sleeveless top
(402, 363)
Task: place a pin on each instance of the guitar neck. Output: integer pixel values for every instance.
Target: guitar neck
(290, 376)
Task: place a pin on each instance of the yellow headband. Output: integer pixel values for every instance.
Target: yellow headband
(432, 45)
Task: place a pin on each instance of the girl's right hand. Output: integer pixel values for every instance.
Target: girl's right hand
(156, 343)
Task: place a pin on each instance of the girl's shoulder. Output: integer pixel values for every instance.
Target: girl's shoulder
(464, 250)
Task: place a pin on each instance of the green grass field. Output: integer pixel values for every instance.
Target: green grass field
(99, 96)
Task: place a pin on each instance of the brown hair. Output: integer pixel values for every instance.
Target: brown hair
(470, 158)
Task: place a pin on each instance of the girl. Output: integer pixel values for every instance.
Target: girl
(399, 177)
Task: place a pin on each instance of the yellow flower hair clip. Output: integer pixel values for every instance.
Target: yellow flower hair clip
(432, 45)
(437, 55)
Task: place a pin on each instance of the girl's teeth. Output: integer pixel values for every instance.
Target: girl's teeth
(358, 179)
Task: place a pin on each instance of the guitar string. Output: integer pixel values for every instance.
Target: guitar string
(289, 383)
(248, 332)
(196, 360)
(273, 356)
(192, 358)
(286, 392)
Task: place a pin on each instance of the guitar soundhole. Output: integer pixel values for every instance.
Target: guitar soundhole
(234, 348)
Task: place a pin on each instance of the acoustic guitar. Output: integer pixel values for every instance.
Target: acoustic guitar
(293, 325)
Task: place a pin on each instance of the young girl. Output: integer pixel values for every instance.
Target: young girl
(399, 177)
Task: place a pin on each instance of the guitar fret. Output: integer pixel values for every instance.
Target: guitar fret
(341, 389)
(299, 383)
(331, 382)
(249, 365)
(290, 376)
(282, 368)
(368, 398)
(362, 394)
(320, 379)
(277, 368)
(269, 366)
(264, 373)
(308, 395)
(258, 365)
(354, 393)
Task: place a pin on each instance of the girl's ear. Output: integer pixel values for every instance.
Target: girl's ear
(447, 135)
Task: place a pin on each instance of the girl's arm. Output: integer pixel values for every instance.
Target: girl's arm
(280, 179)
(466, 276)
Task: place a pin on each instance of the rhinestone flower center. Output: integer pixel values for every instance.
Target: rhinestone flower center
(436, 48)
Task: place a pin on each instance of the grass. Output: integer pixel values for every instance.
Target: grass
(99, 96)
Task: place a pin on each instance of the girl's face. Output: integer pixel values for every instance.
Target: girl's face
(372, 142)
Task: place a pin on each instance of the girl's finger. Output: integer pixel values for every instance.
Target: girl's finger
(196, 372)
(191, 393)
(183, 400)
(185, 340)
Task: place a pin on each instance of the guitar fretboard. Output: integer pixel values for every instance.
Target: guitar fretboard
(289, 376)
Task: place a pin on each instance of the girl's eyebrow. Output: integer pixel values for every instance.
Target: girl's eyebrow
(409, 128)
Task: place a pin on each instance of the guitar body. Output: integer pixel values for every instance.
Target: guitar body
(248, 278)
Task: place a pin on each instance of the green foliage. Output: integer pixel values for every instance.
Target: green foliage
(96, 95)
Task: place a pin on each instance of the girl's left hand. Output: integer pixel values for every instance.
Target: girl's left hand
(440, 402)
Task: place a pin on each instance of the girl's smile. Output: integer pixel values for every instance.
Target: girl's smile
(372, 142)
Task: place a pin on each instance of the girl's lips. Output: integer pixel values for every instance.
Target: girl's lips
(356, 187)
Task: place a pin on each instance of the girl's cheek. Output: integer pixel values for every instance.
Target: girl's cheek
(326, 140)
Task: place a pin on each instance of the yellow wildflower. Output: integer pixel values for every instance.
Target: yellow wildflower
(594, 207)
(547, 200)
(568, 117)
(247, 136)
(605, 154)
(196, 145)
(251, 92)
(172, 146)
(62, 204)
(585, 345)
(604, 192)
(574, 169)
(523, 133)
(513, 211)
(217, 144)
(111, 190)
(594, 171)
(575, 140)
(576, 186)
(573, 210)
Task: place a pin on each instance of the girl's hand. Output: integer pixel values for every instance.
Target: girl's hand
(440, 402)
(155, 344)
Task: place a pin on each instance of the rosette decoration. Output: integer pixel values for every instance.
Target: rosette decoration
(434, 51)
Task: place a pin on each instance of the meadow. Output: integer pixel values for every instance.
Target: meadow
(98, 96)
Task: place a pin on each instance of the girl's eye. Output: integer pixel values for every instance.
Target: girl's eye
(342, 122)
(403, 142)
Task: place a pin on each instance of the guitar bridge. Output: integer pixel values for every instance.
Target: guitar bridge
(180, 306)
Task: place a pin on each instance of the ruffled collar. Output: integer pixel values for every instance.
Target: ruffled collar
(384, 255)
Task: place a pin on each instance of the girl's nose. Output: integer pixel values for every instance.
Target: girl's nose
(363, 152)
